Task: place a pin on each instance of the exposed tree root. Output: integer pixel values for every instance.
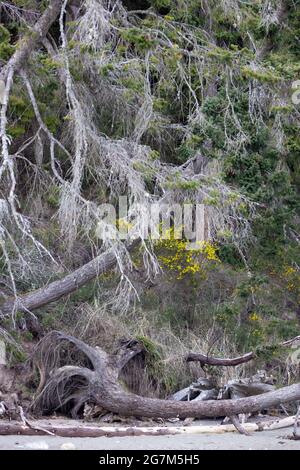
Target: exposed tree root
(66, 386)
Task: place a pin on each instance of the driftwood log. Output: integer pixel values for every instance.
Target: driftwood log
(66, 385)
(15, 428)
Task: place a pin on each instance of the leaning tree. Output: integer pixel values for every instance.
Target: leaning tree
(101, 70)
(98, 100)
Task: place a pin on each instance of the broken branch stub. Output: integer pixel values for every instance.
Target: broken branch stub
(205, 359)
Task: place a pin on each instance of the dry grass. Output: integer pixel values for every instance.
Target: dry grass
(163, 370)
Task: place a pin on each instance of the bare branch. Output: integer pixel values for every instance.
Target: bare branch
(215, 361)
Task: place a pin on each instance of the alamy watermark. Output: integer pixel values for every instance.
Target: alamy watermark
(153, 221)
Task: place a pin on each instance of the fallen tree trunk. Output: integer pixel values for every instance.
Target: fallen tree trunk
(57, 289)
(15, 428)
(68, 387)
(127, 404)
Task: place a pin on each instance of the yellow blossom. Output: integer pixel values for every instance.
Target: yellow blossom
(254, 317)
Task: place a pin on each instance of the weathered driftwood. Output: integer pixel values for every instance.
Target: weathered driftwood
(201, 390)
(235, 361)
(247, 387)
(206, 395)
(238, 426)
(96, 381)
(269, 42)
(204, 389)
(8, 405)
(296, 435)
(39, 429)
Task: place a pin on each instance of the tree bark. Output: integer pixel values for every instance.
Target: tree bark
(216, 361)
(33, 38)
(57, 289)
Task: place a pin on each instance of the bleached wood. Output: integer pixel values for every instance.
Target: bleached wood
(37, 428)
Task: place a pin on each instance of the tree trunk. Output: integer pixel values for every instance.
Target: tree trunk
(32, 39)
(57, 289)
(65, 387)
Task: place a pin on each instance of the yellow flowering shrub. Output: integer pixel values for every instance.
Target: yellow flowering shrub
(291, 276)
(254, 317)
(176, 256)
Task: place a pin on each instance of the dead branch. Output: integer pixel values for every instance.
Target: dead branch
(239, 427)
(216, 361)
(68, 389)
(26, 423)
(227, 362)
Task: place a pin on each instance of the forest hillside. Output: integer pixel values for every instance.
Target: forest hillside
(149, 197)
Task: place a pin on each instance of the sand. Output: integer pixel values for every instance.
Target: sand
(269, 440)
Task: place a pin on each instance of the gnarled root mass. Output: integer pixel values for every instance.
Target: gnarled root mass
(73, 373)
